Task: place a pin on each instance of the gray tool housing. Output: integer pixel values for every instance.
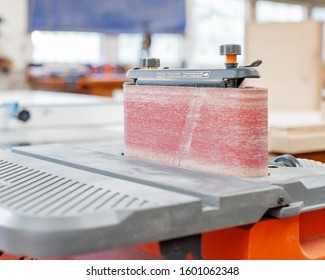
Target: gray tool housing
(192, 77)
(59, 200)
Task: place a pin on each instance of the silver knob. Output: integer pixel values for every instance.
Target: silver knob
(151, 63)
(230, 49)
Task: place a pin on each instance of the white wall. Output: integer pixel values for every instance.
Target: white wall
(14, 39)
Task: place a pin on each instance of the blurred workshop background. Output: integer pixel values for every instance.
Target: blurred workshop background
(63, 62)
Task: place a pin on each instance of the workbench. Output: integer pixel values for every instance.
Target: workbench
(101, 84)
(58, 117)
(300, 133)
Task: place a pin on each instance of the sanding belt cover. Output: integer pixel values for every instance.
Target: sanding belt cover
(219, 130)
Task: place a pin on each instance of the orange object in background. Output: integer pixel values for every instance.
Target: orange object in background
(47, 83)
(101, 84)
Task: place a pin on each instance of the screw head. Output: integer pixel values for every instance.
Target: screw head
(280, 199)
(23, 115)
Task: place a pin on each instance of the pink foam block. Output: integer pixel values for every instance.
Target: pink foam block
(209, 129)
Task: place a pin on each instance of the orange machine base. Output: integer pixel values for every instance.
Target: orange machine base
(296, 238)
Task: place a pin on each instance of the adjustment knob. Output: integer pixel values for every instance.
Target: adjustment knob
(23, 115)
(231, 52)
(151, 63)
(230, 49)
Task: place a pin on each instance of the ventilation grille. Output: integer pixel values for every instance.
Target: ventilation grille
(38, 193)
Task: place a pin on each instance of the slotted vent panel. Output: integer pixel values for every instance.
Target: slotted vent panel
(38, 193)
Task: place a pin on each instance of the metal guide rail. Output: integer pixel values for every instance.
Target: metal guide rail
(192, 77)
(58, 200)
(232, 76)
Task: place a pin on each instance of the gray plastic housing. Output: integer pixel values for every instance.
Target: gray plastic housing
(59, 200)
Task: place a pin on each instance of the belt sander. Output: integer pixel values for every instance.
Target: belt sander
(192, 180)
(198, 119)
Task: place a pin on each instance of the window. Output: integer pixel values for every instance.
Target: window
(166, 47)
(319, 14)
(213, 22)
(129, 48)
(66, 47)
(267, 11)
(216, 23)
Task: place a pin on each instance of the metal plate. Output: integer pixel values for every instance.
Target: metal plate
(206, 186)
(85, 200)
(47, 209)
(60, 200)
(305, 185)
(190, 77)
